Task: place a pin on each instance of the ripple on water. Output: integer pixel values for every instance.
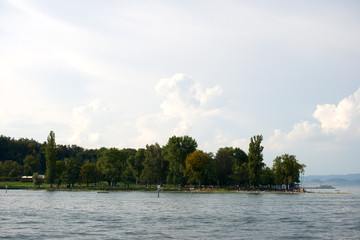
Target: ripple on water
(87, 215)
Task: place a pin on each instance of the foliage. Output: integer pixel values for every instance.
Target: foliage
(240, 175)
(71, 172)
(175, 153)
(89, 173)
(255, 160)
(31, 165)
(135, 163)
(50, 155)
(224, 165)
(111, 164)
(11, 169)
(60, 168)
(200, 168)
(287, 170)
(155, 167)
(37, 179)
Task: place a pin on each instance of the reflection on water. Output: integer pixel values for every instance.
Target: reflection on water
(138, 215)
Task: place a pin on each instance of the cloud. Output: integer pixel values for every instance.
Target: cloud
(340, 118)
(185, 108)
(88, 123)
(338, 123)
(186, 100)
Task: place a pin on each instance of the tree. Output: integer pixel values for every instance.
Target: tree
(89, 173)
(50, 155)
(31, 165)
(136, 163)
(267, 177)
(128, 176)
(255, 160)
(291, 170)
(37, 179)
(72, 170)
(11, 169)
(224, 162)
(200, 168)
(287, 170)
(278, 171)
(175, 153)
(111, 165)
(240, 174)
(155, 167)
(60, 168)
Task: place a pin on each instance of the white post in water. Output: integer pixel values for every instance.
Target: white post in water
(6, 189)
(158, 190)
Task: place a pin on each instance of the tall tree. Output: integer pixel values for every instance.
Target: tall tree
(278, 171)
(31, 165)
(155, 167)
(175, 152)
(50, 155)
(291, 170)
(89, 173)
(72, 170)
(60, 168)
(200, 168)
(224, 162)
(255, 160)
(287, 170)
(135, 163)
(267, 177)
(111, 165)
(240, 175)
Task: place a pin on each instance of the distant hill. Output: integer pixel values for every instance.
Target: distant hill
(336, 180)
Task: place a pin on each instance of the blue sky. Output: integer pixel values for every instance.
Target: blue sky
(131, 73)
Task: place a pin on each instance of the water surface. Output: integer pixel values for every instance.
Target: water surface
(139, 215)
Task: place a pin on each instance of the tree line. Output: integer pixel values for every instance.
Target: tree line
(178, 163)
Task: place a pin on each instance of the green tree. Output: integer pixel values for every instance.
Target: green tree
(11, 169)
(128, 176)
(37, 179)
(50, 155)
(224, 165)
(31, 165)
(175, 152)
(278, 171)
(60, 168)
(71, 173)
(287, 170)
(241, 174)
(89, 173)
(291, 170)
(267, 177)
(136, 163)
(111, 165)
(155, 167)
(255, 160)
(200, 168)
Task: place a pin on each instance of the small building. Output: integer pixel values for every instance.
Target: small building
(29, 178)
(26, 179)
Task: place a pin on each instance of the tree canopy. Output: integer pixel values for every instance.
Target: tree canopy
(179, 162)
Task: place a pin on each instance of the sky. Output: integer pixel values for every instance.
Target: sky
(129, 73)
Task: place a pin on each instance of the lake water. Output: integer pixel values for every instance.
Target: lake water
(138, 215)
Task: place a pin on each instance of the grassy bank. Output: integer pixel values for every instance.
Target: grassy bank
(103, 186)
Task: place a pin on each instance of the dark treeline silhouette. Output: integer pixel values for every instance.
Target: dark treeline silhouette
(178, 163)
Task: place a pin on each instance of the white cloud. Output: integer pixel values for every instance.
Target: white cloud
(342, 117)
(302, 131)
(186, 101)
(336, 123)
(89, 123)
(185, 109)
